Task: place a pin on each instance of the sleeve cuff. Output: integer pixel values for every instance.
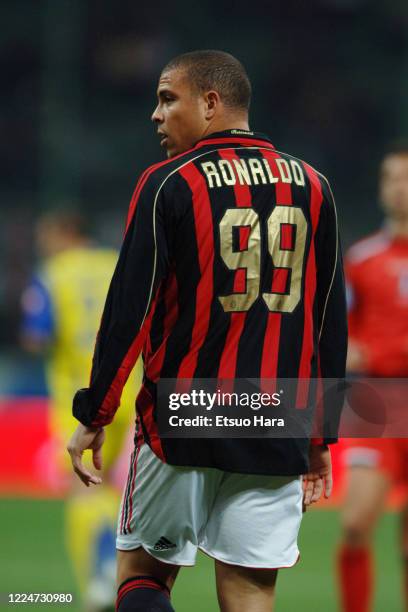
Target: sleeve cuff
(316, 441)
(82, 407)
(323, 441)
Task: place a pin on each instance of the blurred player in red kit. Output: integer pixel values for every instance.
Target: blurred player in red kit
(377, 282)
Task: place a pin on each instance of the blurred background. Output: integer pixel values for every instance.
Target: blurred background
(330, 85)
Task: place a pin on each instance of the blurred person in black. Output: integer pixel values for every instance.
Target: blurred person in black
(230, 267)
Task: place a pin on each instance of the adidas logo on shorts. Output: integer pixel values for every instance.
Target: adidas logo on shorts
(163, 544)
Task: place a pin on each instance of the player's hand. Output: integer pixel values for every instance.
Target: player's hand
(319, 479)
(82, 439)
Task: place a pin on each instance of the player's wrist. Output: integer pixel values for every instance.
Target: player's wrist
(92, 428)
(319, 443)
(316, 441)
(85, 430)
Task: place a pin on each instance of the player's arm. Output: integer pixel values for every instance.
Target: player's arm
(331, 290)
(332, 321)
(130, 303)
(332, 311)
(129, 306)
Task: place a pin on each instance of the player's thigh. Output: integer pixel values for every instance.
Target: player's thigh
(255, 521)
(131, 563)
(365, 498)
(241, 588)
(165, 508)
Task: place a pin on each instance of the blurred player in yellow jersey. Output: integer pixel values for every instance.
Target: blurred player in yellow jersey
(62, 307)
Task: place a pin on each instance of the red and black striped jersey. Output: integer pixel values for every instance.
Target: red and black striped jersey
(230, 267)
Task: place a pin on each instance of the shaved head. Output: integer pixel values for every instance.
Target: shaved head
(215, 70)
(200, 93)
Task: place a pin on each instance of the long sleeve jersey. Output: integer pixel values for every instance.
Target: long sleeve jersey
(230, 267)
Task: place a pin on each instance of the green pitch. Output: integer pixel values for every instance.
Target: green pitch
(32, 559)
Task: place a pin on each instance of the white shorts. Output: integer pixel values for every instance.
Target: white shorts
(241, 519)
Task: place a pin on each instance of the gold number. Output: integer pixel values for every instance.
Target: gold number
(250, 259)
(284, 258)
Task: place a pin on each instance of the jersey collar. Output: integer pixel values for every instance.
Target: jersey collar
(244, 138)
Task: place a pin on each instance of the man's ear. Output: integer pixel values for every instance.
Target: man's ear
(212, 100)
